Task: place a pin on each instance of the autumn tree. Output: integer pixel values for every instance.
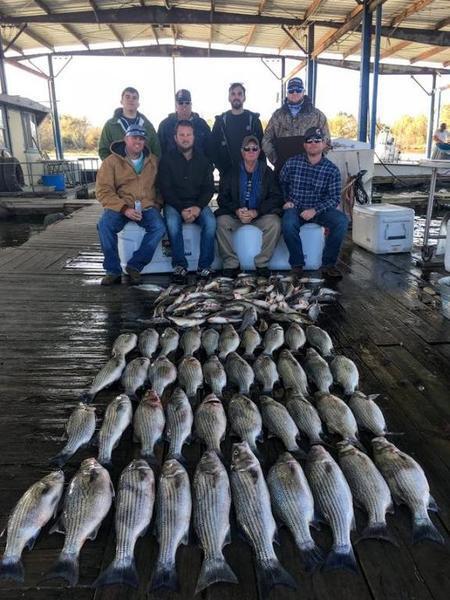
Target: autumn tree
(343, 125)
(411, 132)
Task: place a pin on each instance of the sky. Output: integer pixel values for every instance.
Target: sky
(91, 87)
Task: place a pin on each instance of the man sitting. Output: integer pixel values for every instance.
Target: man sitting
(249, 194)
(187, 185)
(312, 190)
(126, 189)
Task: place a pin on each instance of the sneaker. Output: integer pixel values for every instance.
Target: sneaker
(297, 272)
(179, 275)
(263, 272)
(331, 272)
(110, 279)
(134, 275)
(231, 273)
(204, 273)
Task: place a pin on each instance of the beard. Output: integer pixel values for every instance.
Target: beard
(236, 103)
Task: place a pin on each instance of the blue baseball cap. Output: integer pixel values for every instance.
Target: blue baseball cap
(295, 85)
(136, 131)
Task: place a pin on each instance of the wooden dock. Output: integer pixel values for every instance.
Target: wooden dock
(56, 330)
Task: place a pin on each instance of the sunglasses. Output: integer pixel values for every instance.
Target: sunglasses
(186, 102)
(295, 91)
(250, 149)
(313, 141)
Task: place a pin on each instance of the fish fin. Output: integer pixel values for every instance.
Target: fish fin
(30, 544)
(312, 558)
(60, 459)
(86, 397)
(133, 397)
(373, 396)
(12, 569)
(270, 573)
(164, 576)
(377, 531)
(432, 504)
(341, 560)
(119, 572)
(212, 571)
(94, 533)
(358, 444)
(298, 453)
(66, 568)
(185, 538)
(227, 539)
(58, 526)
(150, 458)
(424, 529)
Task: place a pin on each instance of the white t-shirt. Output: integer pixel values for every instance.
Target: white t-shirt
(441, 135)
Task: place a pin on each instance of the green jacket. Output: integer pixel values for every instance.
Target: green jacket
(113, 131)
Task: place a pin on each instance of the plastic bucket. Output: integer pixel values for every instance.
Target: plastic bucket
(55, 180)
(444, 286)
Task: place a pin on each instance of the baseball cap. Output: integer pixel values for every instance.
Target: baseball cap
(314, 132)
(295, 85)
(248, 139)
(183, 96)
(136, 130)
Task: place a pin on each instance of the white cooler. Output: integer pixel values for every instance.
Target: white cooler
(383, 228)
(246, 240)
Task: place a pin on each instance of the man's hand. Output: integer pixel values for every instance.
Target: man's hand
(245, 215)
(190, 214)
(133, 215)
(288, 204)
(308, 214)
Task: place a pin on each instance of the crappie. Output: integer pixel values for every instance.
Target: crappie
(295, 337)
(305, 417)
(190, 375)
(249, 318)
(369, 489)
(408, 485)
(239, 372)
(148, 342)
(86, 503)
(210, 341)
(32, 512)
(252, 503)
(337, 417)
(265, 372)
(214, 375)
(161, 374)
(212, 503)
(228, 341)
(168, 341)
(245, 420)
(211, 422)
(124, 343)
(318, 371)
(319, 339)
(134, 509)
(273, 339)
(250, 340)
(117, 417)
(280, 423)
(293, 503)
(135, 375)
(333, 502)
(179, 422)
(190, 340)
(148, 424)
(80, 428)
(107, 375)
(345, 373)
(367, 413)
(291, 372)
(173, 515)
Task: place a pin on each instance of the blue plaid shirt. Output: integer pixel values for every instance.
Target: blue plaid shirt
(311, 186)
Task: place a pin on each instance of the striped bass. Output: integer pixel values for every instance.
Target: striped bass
(80, 428)
(117, 417)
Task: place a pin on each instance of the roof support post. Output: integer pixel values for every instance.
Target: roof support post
(431, 117)
(376, 69)
(3, 83)
(365, 72)
(311, 65)
(282, 80)
(54, 108)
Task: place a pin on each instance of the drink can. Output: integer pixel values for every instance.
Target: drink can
(138, 205)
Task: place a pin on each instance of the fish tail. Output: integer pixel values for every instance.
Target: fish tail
(60, 459)
(298, 453)
(424, 529)
(149, 457)
(341, 558)
(270, 573)
(212, 571)
(164, 576)
(121, 572)
(312, 558)
(377, 531)
(86, 397)
(12, 568)
(66, 568)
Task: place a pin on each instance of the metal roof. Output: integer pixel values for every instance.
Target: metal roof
(413, 30)
(37, 108)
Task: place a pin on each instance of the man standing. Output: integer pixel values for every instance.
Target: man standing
(186, 184)
(440, 138)
(312, 190)
(287, 126)
(123, 118)
(231, 127)
(166, 129)
(249, 194)
(126, 189)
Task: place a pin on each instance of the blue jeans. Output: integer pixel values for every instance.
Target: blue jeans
(207, 222)
(333, 219)
(109, 226)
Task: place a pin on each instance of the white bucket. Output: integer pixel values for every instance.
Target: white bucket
(444, 286)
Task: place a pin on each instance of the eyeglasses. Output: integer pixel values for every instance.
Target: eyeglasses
(250, 149)
(313, 141)
(296, 91)
(181, 102)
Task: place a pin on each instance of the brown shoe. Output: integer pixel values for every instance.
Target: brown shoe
(134, 275)
(331, 273)
(110, 279)
(297, 272)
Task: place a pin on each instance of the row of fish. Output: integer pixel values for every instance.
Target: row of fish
(328, 492)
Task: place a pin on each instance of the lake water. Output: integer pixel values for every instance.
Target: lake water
(15, 232)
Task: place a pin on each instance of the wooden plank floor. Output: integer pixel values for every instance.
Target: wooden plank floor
(57, 326)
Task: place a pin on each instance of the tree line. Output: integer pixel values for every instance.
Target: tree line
(410, 132)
